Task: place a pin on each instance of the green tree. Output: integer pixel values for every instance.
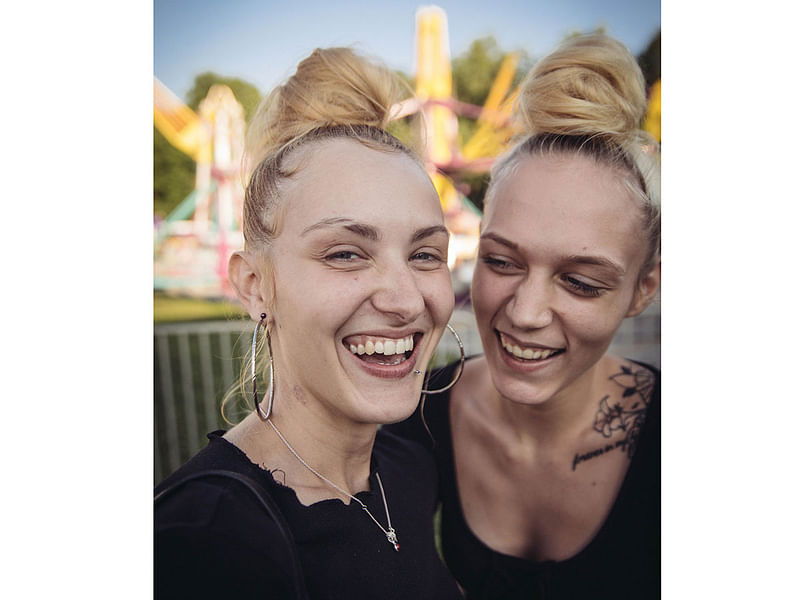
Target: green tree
(173, 175)
(650, 60)
(246, 93)
(475, 69)
(474, 72)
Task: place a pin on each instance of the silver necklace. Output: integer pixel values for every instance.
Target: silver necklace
(390, 533)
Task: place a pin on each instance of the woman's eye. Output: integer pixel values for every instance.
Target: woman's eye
(426, 257)
(497, 263)
(581, 287)
(343, 256)
(426, 261)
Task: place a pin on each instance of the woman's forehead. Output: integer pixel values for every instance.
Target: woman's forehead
(569, 203)
(343, 179)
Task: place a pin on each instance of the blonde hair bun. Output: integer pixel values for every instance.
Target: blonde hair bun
(591, 85)
(331, 87)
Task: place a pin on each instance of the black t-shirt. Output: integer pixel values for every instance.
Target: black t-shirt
(623, 561)
(214, 539)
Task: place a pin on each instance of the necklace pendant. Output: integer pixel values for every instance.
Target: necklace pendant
(392, 537)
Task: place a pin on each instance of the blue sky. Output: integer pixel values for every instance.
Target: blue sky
(262, 41)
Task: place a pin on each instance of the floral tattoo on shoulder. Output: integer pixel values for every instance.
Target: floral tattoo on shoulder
(627, 413)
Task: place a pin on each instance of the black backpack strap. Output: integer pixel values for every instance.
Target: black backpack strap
(268, 504)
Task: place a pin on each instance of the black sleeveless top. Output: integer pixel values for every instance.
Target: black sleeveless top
(622, 561)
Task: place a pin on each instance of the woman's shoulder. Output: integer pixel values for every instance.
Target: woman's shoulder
(217, 454)
(216, 483)
(209, 543)
(210, 523)
(630, 376)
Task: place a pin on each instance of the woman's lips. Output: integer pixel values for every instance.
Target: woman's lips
(526, 353)
(384, 356)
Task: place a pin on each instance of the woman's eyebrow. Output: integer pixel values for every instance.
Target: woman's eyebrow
(366, 231)
(500, 240)
(600, 261)
(420, 234)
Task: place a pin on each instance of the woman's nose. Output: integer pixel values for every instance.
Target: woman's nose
(398, 293)
(531, 306)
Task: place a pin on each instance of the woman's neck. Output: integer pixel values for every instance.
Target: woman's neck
(337, 448)
(558, 420)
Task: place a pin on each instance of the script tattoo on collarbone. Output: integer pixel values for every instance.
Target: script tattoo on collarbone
(627, 414)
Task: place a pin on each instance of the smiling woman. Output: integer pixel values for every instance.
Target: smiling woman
(548, 447)
(345, 270)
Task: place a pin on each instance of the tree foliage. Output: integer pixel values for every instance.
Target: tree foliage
(246, 93)
(475, 69)
(474, 72)
(650, 60)
(173, 175)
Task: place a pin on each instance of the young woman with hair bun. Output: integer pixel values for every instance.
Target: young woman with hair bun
(548, 447)
(344, 273)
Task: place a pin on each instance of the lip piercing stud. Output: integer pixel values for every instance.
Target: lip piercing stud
(417, 372)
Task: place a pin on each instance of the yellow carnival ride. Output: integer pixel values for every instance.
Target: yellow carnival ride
(193, 244)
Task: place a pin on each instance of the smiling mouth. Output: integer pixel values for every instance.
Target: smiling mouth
(382, 350)
(523, 353)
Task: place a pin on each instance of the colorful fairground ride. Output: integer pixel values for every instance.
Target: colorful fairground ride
(193, 243)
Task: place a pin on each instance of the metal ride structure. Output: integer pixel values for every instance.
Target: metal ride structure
(193, 244)
(447, 158)
(191, 254)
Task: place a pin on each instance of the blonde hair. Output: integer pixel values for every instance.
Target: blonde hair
(588, 98)
(334, 93)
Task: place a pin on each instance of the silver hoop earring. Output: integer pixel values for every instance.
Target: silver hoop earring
(459, 370)
(262, 415)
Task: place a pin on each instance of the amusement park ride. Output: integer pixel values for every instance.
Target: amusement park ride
(193, 243)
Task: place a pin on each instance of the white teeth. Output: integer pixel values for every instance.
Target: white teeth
(387, 347)
(527, 353)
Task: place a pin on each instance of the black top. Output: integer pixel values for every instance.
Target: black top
(214, 540)
(622, 561)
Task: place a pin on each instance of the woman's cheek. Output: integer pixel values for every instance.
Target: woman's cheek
(487, 293)
(594, 323)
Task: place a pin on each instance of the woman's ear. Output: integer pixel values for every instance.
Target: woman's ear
(646, 290)
(248, 277)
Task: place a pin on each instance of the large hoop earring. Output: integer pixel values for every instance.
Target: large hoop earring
(460, 369)
(262, 415)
